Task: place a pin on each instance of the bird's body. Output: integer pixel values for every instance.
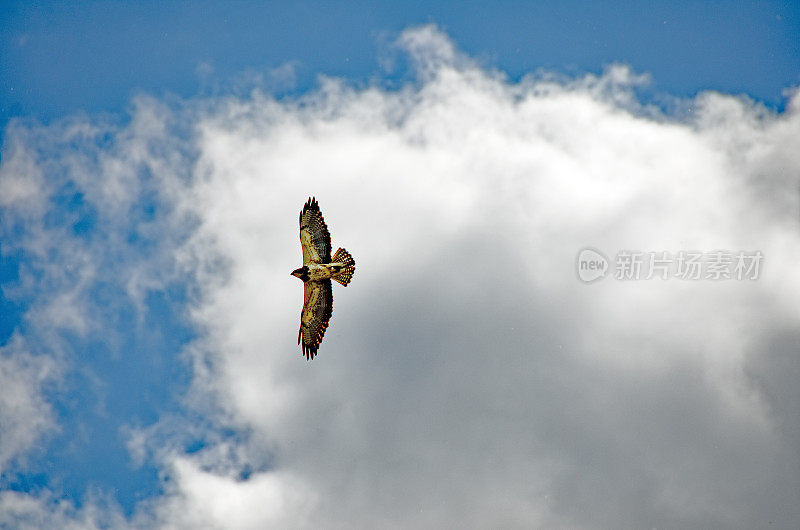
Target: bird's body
(325, 271)
(318, 269)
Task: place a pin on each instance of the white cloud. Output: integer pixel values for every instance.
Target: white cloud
(209, 500)
(24, 414)
(468, 377)
(32, 512)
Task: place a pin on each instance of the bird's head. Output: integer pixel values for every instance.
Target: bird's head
(301, 273)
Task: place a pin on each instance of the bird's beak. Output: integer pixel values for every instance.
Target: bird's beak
(297, 272)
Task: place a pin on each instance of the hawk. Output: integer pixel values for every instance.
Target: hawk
(317, 272)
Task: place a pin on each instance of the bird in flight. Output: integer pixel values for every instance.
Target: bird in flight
(317, 272)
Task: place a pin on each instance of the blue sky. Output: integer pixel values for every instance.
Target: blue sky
(146, 145)
(59, 58)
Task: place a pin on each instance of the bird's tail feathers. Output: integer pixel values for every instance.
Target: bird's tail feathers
(346, 274)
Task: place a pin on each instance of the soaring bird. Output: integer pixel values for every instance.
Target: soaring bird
(317, 272)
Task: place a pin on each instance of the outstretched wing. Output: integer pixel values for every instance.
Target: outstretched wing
(317, 311)
(314, 236)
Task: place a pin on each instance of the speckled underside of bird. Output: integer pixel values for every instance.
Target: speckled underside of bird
(318, 269)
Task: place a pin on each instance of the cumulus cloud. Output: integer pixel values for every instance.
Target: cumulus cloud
(24, 415)
(29, 512)
(468, 377)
